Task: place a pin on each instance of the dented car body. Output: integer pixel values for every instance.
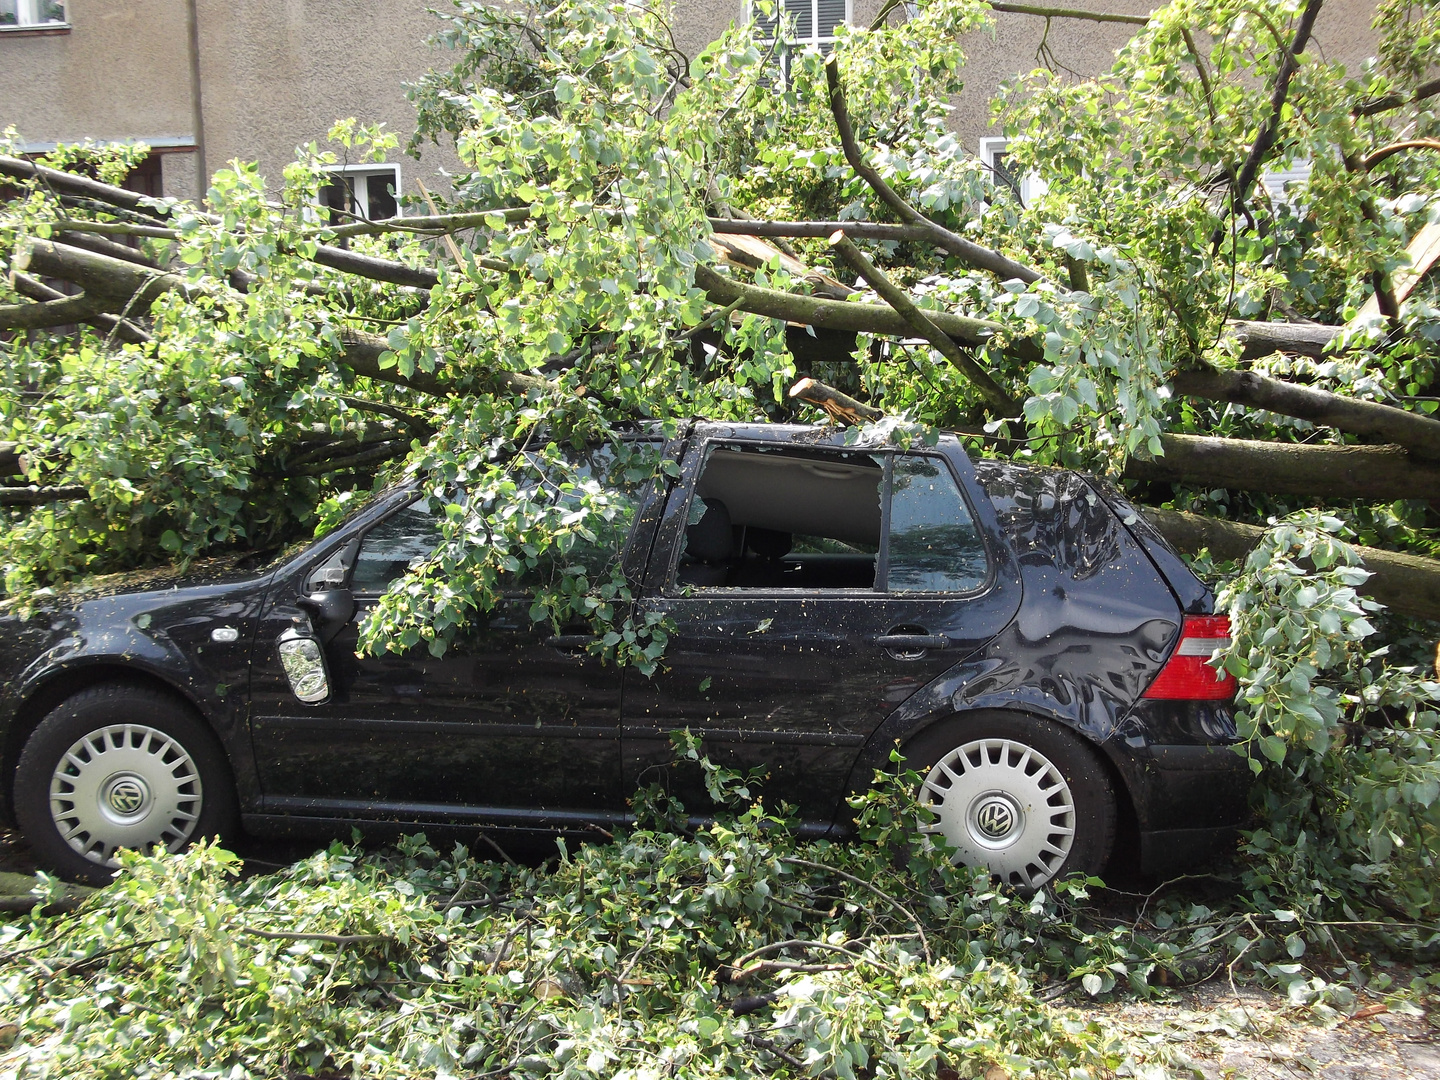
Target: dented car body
(1022, 635)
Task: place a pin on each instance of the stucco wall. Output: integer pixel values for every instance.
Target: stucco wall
(1079, 47)
(123, 72)
(278, 73)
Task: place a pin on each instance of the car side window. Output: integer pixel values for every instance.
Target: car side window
(392, 545)
(801, 518)
(934, 545)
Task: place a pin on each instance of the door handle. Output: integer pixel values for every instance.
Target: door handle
(911, 642)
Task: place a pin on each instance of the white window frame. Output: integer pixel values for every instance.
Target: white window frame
(795, 43)
(1295, 174)
(1031, 186)
(29, 15)
(361, 193)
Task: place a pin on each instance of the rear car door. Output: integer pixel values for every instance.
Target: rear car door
(812, 590)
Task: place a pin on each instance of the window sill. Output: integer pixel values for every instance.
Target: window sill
(52, 30)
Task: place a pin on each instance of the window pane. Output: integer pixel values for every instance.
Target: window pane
(378, 190)
(832, 14)
(391, 546)
(801, 12)
(934, 546)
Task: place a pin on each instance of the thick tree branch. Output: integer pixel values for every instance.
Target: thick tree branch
(840, 407)
(362, 356)
(968, 251)
(1070, 13)
(49, 313)
(865, 230)
(1369, 473)
(1395, 101)
(1371, 160)
(1000, 401)
(1418, 434)
(843, 315)
(1259, 339)
(121, 328)
(1406, 584)
(32, 496)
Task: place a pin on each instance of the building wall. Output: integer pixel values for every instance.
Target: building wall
(277, 73)
(122, 73)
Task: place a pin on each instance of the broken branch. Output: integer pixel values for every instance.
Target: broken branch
(921, 323)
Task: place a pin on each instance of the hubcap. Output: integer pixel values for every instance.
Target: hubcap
(127, 785)
(1002, 805)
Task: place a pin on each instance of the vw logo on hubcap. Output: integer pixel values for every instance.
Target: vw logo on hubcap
(125, 796)
(995, 818)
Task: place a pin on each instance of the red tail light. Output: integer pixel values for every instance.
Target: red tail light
(1187, 675)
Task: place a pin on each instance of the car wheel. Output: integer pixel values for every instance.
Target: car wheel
(1024, 797)
(119, 766)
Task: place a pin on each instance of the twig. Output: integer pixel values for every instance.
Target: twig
(770, 1048)
(496, 848)
(332, 939)
(972, 253)
(896, 904)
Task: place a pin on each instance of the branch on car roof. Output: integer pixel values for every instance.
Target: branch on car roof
(1406, 584)
(966, 250)
(1416, 433)
(1369, 473)
(920, 322)
(840, 407)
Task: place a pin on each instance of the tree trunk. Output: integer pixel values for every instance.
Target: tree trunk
(1406, 584)
(1418, 434)
(1371, 473)
(1263, 338)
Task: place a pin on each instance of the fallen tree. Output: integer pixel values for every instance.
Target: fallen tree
(574, 286)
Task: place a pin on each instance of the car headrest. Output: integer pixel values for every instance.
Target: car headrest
(710, 539)
(769, 544)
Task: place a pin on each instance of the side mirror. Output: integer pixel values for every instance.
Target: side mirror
(303, 659)
(329, 610)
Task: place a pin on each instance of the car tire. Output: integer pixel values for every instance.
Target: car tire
(119, 766)
(1024, 797)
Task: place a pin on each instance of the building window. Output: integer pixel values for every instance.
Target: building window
(31, 14)
(370, 192)
(995, 154)
(806, 23)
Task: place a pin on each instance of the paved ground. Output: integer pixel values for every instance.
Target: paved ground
(1246, 1034)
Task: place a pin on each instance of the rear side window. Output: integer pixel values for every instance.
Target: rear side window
(934, 546)
(791, 518)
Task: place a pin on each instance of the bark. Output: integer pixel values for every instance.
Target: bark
(1418, 434)
(840, 407)
(1259, 339)
(919, 320)
(1395, 101)
(31, 496)
(1070, 13)
(1406, 584)
(841, 315)
(362, 356)
(966, 250)
(1368, 473)
(865, 230)
(116, 283)
(49, 313)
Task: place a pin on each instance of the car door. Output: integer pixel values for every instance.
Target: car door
(513, 724)
(852, 579)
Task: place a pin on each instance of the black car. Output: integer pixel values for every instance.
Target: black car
(1029, 642)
